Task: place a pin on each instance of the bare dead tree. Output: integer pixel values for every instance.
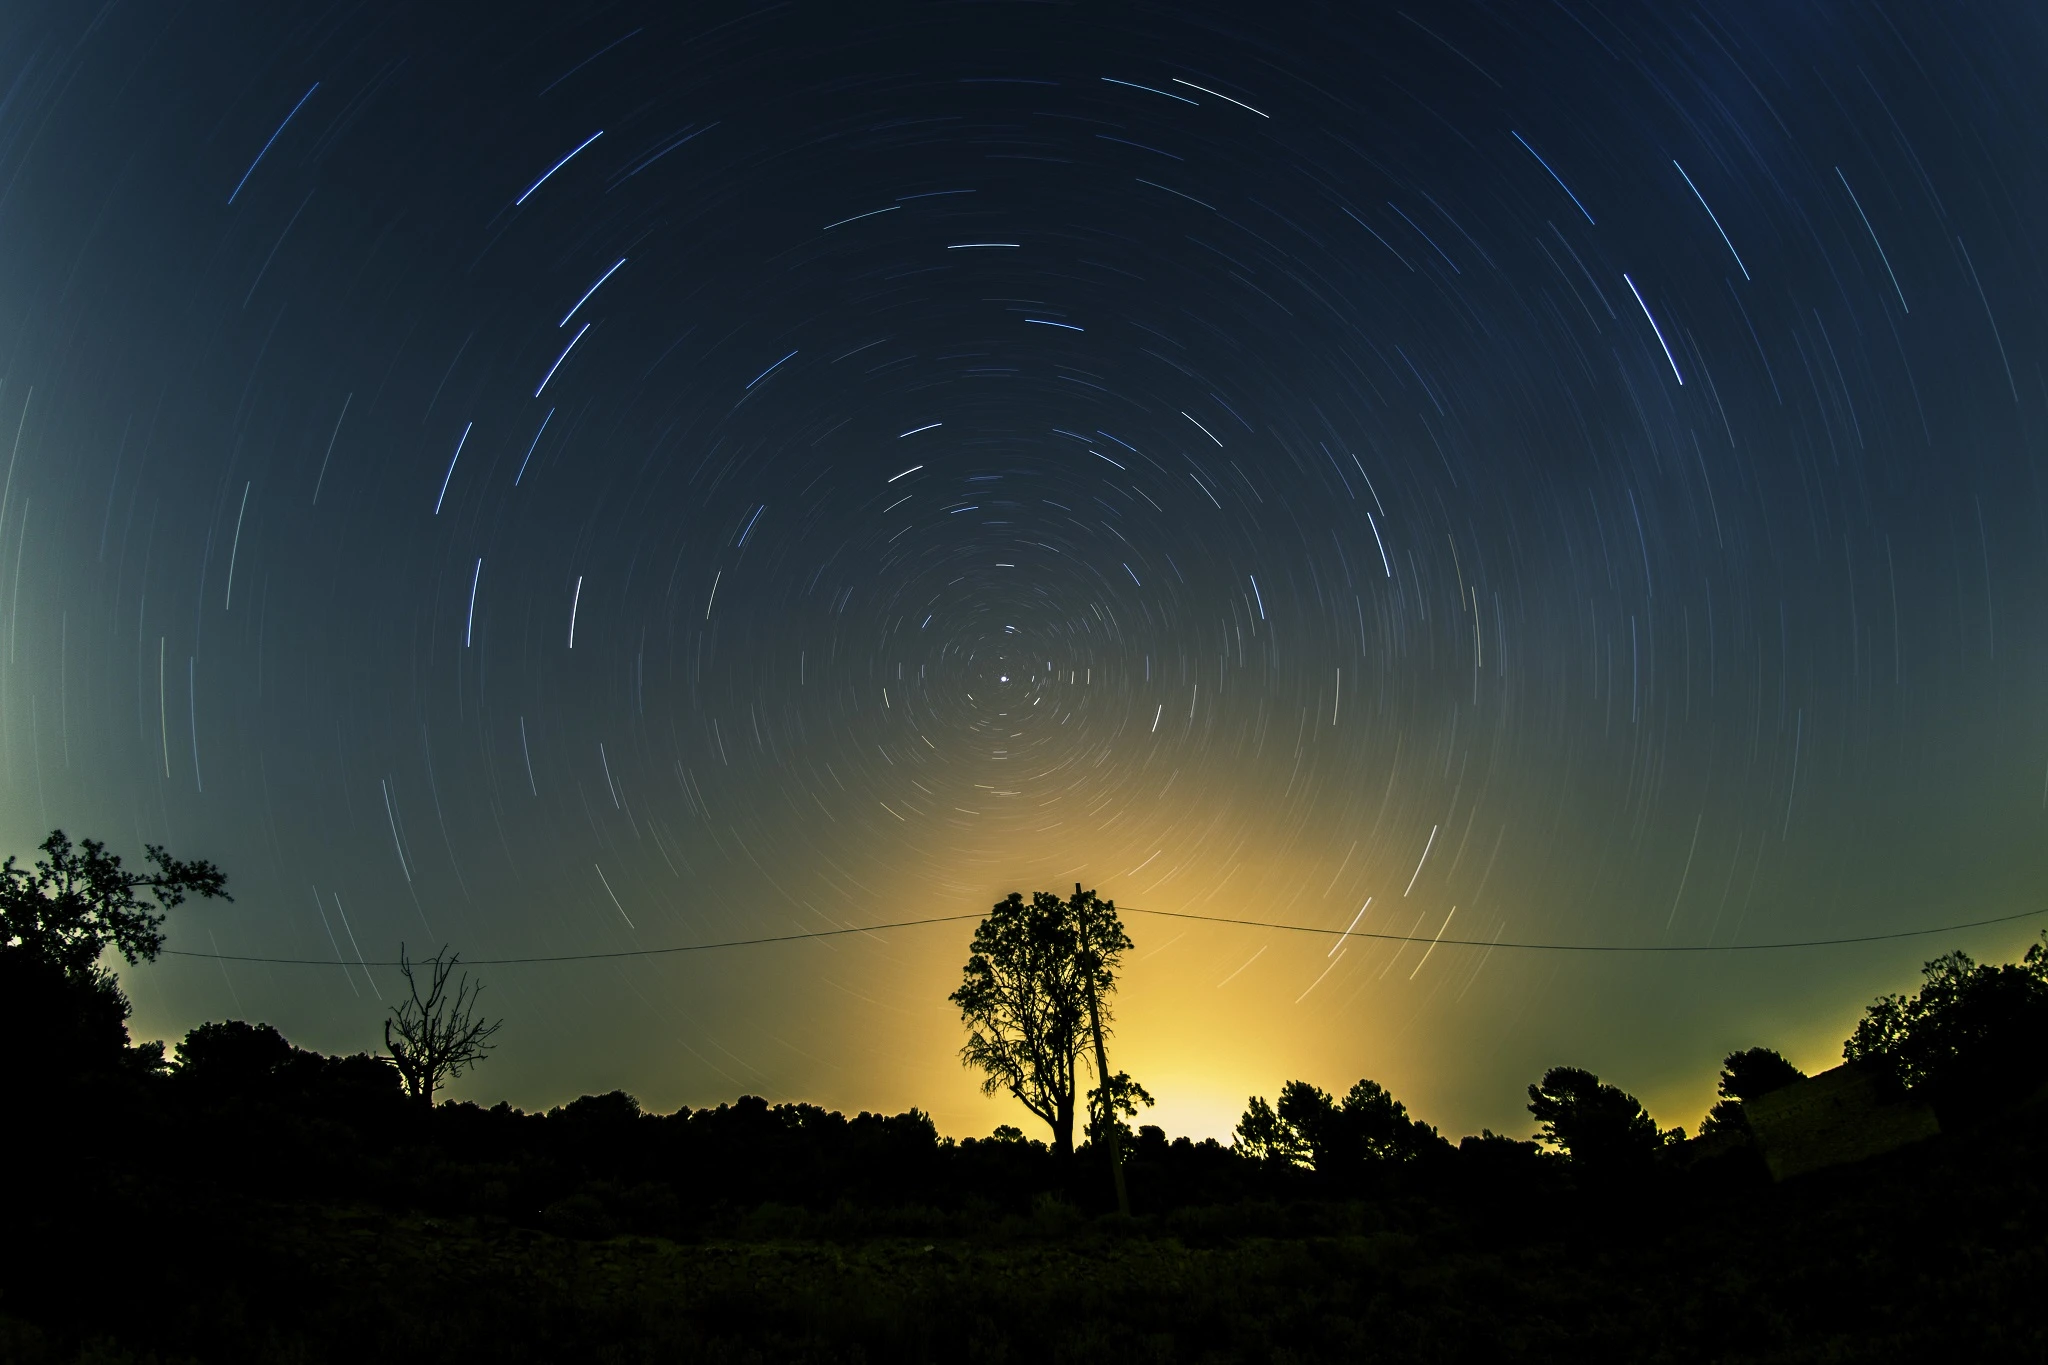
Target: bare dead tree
(435, 1037)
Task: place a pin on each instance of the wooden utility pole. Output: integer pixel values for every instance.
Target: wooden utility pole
(1111, 1128)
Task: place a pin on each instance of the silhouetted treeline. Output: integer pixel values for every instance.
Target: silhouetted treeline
(239, 1198)
(240, 1101)
(257, 1202)
(240, 1107)
(239, 1104)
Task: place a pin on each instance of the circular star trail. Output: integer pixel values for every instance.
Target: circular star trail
(561, 483)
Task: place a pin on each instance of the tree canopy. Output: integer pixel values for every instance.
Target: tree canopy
(1263, 1135)
(1120, 1103)
(1331, 1135)
(1024, 997)
(57, 917)
(1746, 1075)
(1594, 1124)
(62, 1024)
(77, 901)
(234, 1060)
(1972, 1033)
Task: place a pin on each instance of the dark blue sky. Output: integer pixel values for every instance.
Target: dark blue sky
(572, 482)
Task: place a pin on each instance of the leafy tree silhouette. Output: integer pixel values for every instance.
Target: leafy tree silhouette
(1377, 1126)
(237, 1060)
(1264, 1136)
(233, 1057)
(1313, 1128)
(1599, 1126)
(1310, 1112)
(78, 901)
(56, 920)
(1746, 1075)
(1125, 1095)
(1971, 1037)
(63, 1024)
(1033, 972)
(1022, 1001)
(435, 1037)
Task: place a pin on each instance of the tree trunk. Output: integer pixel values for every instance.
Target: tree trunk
(1063, 1126)
(1111, 1137)
(1110, 1125)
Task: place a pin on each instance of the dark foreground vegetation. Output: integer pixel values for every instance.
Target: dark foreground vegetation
(298, 1221)
(251, 1201)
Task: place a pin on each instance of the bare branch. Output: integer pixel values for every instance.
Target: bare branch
(436, 1036)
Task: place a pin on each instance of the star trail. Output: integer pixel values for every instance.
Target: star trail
(576, 484)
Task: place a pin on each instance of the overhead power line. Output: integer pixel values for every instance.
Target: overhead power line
(599, 957)
(1518, 945)
(1600, 947)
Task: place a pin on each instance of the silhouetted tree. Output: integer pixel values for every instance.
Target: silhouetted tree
(1125, 1095)
(78, 901)
(435, 1037)
(1024, 1002)
(1746, 1075)
(1313, 1128)
(1598, 1125)
(1376, 1127)
(232, 1057)
(62, 1023)
(237, 1060)
(66, 1011)
(616, 1106)
(1310, 1112)
(1264, 1136)
(1973, 1034)
(1756, 1071)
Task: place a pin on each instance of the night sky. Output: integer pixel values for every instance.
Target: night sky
(568, 484)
